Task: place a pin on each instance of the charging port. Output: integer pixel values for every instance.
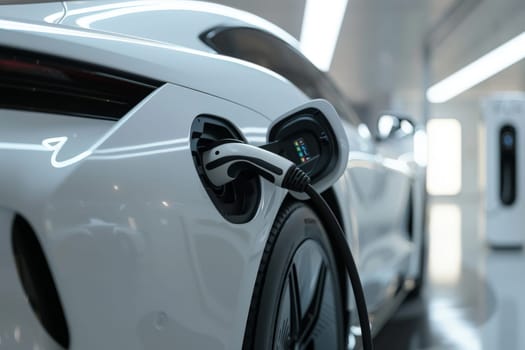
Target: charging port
(306, 138)
(238, 200)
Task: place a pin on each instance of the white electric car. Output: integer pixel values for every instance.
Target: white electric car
(113, 237)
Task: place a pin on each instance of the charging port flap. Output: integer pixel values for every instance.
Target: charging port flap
(312, 136)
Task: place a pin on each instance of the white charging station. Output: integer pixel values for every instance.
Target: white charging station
(504, 116)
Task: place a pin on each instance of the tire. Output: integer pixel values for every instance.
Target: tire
(297, 301)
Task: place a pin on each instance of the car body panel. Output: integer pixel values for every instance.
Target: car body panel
(191, 16)
(33, 11)
(404, 150)
(374, 196)
(160, 61)
(135, 227)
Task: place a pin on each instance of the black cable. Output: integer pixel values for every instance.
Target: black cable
(337, 236)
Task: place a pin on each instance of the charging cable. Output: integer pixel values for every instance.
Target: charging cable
(228, 158)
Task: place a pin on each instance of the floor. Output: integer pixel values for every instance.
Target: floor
(475, 296)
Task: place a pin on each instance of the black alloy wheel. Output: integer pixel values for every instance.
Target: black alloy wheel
(297, 302)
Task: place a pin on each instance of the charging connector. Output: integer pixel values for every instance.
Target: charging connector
(228, 158)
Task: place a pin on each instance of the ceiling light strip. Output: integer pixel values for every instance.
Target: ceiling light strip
(320, 30)
(483, 68)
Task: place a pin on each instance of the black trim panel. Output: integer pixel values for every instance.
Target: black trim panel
(37, 280)
(507, 164)
(44, 83)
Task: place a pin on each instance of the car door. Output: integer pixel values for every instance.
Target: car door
(378, 191)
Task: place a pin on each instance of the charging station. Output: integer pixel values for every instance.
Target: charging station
(504, 116)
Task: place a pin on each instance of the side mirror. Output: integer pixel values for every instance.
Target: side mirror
(313, 137)
(392, 125)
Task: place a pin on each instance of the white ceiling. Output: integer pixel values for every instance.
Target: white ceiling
(378, 60)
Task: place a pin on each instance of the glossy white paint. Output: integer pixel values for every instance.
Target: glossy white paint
(374, 192)
(98, 12)
(161, 61)
(162, 250)
(178, 256)
(32, 12)
(141, 257)
(403, 150)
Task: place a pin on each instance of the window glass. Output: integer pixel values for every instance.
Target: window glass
(265, 49)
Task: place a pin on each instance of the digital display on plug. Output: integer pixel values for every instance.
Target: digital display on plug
(302, 150)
